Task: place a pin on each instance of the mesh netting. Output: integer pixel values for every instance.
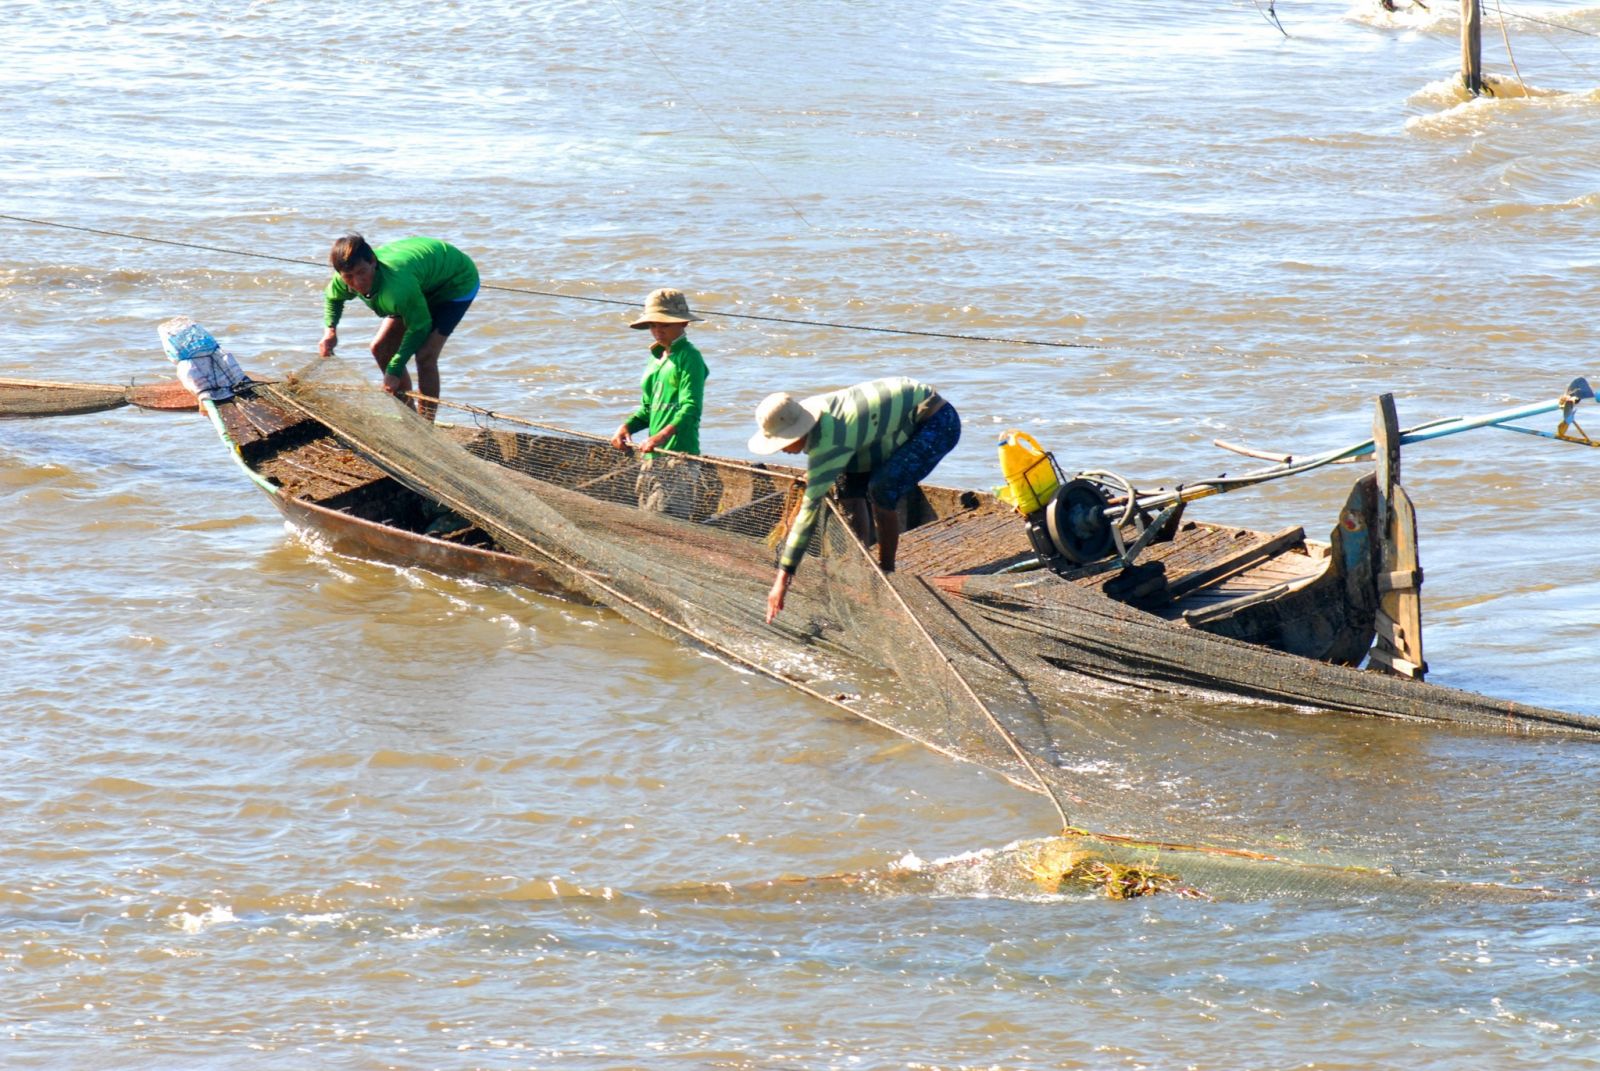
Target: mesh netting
(39, 398)
(686, 546)
(1083, 864)
(32, 398)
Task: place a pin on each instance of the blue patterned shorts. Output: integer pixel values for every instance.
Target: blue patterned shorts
(910, 465)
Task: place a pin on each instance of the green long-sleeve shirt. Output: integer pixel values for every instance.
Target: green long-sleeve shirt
(672, 393)
(411, 274)
(857, 429)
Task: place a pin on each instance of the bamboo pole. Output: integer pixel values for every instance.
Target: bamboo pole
(1577, 391)
(1472, 46)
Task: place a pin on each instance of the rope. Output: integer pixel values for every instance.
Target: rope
(158, 241)
(954, 336)
(1504, 36)
(1553, 25)
(595, 300)
(1271, 15)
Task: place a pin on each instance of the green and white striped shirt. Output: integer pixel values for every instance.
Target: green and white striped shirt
(857, 429)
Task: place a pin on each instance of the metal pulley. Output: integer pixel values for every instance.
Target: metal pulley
(1077, 523)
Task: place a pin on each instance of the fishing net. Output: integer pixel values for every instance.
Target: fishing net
(1091, 865)
(40, 398)
(1078, 864)
(33, 398)
(686, 546)
(1107, 639)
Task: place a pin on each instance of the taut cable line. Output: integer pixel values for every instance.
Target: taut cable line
(794, 321)
(1008, 340)
(1552, 25)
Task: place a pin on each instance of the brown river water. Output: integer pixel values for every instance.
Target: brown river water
(264, 806)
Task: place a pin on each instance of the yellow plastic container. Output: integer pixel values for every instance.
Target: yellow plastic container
(1029, 471)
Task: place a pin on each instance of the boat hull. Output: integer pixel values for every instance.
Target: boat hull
(361, 538)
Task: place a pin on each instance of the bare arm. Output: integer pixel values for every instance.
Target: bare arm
(780, 588)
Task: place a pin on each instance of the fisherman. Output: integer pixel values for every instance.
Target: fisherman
(882, 437)
(672, 396)
(421, 286)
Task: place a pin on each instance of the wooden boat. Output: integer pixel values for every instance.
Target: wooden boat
(323, 486)
(1278, 589)
(1262, 616)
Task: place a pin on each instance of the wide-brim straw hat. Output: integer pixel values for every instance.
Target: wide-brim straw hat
(666, 306)
(783, 418)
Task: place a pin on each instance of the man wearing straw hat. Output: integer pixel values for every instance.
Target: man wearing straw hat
(672, 395)
(884, 437)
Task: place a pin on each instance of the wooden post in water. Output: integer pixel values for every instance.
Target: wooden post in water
(1398, 646)
(1472, 46)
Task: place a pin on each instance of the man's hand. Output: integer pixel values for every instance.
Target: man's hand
(780, 588)
(620, 440)
(330, 339)
(394, 384)
(650, 444)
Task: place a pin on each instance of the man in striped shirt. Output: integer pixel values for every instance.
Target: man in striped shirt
(883, 437)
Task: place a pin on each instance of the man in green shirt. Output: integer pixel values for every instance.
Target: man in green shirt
(421, 286)
(883, 437)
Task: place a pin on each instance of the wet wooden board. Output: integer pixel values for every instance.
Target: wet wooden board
(983, 540)
(320, 470)
(250, 421)
(991, 538)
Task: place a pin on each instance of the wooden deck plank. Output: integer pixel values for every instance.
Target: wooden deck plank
(976, 541)
(1256, 555)
(320, 470)
(986, 540)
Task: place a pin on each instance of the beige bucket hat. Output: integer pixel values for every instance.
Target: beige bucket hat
(783, 418)
(666, 306)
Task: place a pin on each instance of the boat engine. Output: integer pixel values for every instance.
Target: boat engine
(1074, 532)
(1070, 523)
(1072, 527)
